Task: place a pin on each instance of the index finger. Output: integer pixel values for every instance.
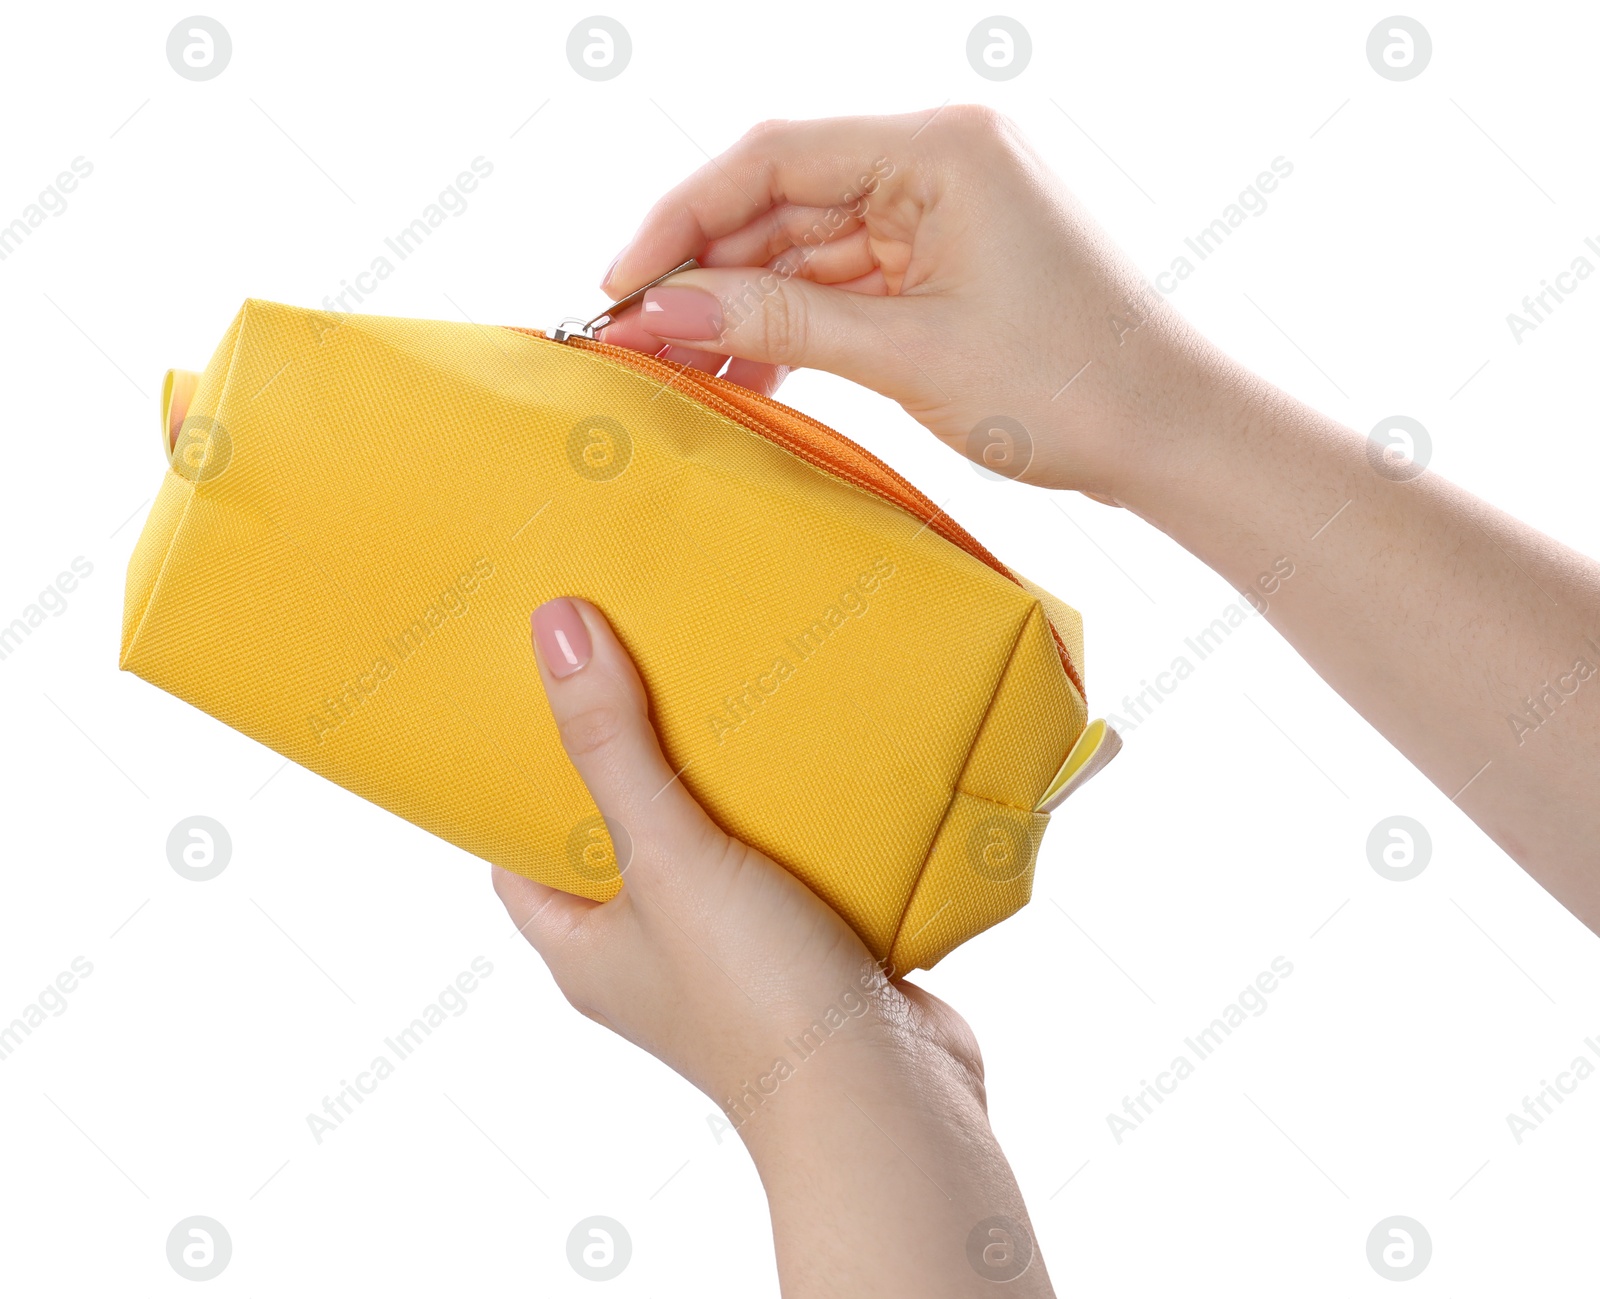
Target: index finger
(832, 162)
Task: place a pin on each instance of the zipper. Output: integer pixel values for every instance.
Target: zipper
(809, 439)
(586, 328)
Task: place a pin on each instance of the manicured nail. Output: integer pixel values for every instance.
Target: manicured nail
(676, 311)
(559, 636)
(605, 280)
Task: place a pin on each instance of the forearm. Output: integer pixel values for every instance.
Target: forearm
(1471, 641)
(884, 1181)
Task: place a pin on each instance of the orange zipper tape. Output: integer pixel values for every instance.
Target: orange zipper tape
(814, 443)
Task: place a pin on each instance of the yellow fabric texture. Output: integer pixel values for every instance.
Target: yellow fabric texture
(361, 512)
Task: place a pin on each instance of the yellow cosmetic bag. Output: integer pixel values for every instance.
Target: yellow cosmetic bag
(360, 513)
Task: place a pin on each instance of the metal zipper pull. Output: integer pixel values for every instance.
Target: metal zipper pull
(586, 329)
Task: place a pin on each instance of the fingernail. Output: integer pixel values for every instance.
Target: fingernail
(611, 270)
(560, 638)
(681, 312)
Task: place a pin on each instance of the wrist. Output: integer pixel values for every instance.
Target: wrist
(881, 1173)
(1184, 409)
(780, 1116)
(1149, 411)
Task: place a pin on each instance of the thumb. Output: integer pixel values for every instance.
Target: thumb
(602, 713)
(767, 316)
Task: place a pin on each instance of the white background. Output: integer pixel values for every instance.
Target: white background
(218, 1015)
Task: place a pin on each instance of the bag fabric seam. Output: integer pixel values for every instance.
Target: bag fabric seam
(956, 789)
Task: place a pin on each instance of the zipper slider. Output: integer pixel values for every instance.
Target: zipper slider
(586, 328)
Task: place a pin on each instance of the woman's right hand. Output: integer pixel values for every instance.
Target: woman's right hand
(972, 289)
(934, 258)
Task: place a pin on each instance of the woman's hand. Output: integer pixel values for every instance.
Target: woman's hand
(875, 1147)
(932, 257)
(955, 274)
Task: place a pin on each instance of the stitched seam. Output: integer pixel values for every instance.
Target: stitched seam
(1005, 672)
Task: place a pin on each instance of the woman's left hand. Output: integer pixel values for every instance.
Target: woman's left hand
(875, 1147)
